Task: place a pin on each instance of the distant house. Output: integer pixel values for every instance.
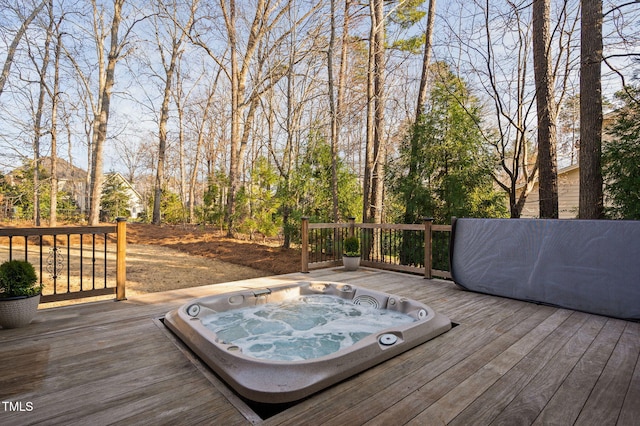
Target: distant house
(568, 184)
(568, 193)
(75, 182)
(136, 203)
(71, 179)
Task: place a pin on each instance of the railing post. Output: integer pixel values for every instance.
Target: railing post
(428, 251)
(121, 258)
(352, 226)
(304, 267)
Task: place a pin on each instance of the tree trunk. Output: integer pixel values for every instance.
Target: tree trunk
(369, 163)
(410, 213)
(342, 74)
(100, 122)
(426, 58)
(53, 211)
(170, 64)
(37, 126)
(162, 131)
(546, 110)
(591, 198)
(333, 114)
(234, 161)
(379, 148)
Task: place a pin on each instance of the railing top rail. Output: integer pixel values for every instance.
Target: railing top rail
(328, 225)
(400, 226)
(58, 230)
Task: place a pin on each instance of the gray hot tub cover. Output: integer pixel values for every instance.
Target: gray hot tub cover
(586, 265)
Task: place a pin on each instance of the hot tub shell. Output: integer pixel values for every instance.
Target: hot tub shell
(273, 381)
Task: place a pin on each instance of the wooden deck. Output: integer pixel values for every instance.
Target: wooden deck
(507, 362)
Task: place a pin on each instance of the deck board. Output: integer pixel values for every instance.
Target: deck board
(504, 391)
(606, 399)
(564, 406)
(490, 364)
(505, 362)
(527, 405)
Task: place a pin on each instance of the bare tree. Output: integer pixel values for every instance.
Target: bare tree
(176, 33)
(332, 111)
(11, 51)
(131, 156)
(426, 58)
(497, 59)
(248, 58)
(336, 90)
(38, 116)
(203, 131)
(375, 149)
(107, 80)
(546, 110)
(55, 97)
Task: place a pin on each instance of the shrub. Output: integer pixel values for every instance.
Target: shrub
(351, 246)
(18, 278)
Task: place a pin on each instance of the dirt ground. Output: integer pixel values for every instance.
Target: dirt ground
(267, 256)
(163, 258)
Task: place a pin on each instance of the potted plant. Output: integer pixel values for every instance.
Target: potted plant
(19, 293)
(351, 253)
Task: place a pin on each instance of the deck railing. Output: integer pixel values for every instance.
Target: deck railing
(72, 262)
(414, 248)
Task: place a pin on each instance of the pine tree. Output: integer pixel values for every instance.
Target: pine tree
(114, 200)
(442, 169)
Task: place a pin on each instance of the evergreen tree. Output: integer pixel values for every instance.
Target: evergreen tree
(214, 198)
(263, 204)
(442, 169)
(621, 159)
(114, 200)
(309, 190)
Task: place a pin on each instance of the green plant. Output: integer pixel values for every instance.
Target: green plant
(18, 278)
(351, 246)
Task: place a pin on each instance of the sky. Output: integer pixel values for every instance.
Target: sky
(131, 123)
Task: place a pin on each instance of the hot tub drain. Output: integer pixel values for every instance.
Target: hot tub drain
(388, 339)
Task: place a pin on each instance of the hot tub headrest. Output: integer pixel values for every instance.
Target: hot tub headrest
(587, 265)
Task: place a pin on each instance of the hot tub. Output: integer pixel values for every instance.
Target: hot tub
(269, 372)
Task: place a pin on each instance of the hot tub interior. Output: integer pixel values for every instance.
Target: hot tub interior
(281, 344)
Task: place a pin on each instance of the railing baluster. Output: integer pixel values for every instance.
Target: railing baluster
(81, 261)
(42, 265)
(55, 262)
(68, 260)
(93, 261)
(121, 258)
(105, 261)
(304, 236)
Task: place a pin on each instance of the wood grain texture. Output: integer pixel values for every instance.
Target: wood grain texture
(506, 362)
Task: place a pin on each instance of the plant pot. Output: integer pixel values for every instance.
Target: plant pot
(351, 263)
(18, 312)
